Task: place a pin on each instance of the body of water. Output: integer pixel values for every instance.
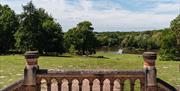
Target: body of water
(116, 50)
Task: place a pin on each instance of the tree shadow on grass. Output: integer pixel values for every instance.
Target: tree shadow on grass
(100, 57)
(66, 56)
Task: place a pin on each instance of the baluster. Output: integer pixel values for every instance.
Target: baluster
(38, 86)
(91, 85)
(49, 86)
(132, 85)
(101, 85)
(70, 85)
(111, 85)
(80, 85)
(59, 85)
(142, 86)
(121, 86)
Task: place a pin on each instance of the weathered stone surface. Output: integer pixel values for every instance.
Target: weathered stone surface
(104, 77)
(150, 70)
(150, 55)
(30, 70)
(31, 54)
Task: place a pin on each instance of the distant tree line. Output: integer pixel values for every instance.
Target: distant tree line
(35, 29)
(165, 41)
(146, 40)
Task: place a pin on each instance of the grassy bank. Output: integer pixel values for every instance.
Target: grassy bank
(11, 67)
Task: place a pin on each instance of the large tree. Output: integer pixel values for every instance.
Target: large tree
(170, 41)
(8, 25)
(38, 31)
(175, 26)
(81, 38)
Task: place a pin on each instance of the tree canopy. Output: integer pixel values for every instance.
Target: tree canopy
(38, 31)
(175, 26)
(81, 38)
(8, 25)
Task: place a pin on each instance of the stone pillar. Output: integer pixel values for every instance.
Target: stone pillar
(150, 71)
(30, 70)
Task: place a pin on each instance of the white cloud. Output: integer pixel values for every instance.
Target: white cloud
(112, 18)
(14, 4)
(167, 8)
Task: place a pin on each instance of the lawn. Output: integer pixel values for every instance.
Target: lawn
(11, 67)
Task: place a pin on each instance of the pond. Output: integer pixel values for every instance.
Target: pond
(119, 50)
(116, 50)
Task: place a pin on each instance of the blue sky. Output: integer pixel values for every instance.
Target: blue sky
(107, 15)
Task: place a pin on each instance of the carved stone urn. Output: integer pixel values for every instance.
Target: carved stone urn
(31, 57)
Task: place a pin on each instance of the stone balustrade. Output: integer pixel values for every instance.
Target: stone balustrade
(90, 76)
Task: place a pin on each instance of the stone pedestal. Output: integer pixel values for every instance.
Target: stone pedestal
(150, 70)
(30, 70)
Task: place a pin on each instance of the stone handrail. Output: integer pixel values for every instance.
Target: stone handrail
(16, 86)
(164, 86)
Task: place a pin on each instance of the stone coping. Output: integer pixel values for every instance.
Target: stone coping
(31, 54)
(150, 55)
(86, 72)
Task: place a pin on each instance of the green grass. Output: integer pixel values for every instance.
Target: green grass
(11, 67)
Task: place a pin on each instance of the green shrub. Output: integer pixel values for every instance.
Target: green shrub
(167, 54)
